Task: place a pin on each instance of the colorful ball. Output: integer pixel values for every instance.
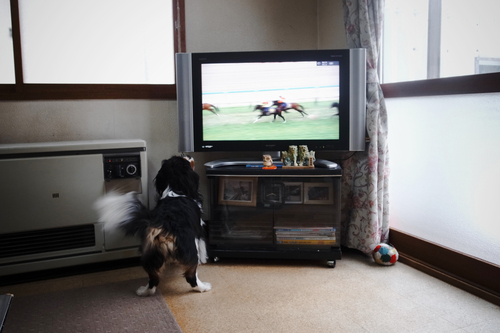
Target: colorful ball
(385, 254)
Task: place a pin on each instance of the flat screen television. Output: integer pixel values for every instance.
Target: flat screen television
(266, 101)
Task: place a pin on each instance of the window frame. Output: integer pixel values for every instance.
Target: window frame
(467, 84)
(29, 91)
(433, 85)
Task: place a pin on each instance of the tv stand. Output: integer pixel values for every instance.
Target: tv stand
(280, 213)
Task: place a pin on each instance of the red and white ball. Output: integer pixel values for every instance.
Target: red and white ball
(385, 254)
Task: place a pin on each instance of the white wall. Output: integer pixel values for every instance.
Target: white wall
(250, 25)
(216, 25)
(445, 171)
(331, 31)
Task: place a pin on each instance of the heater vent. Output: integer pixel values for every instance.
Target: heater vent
(47, 240)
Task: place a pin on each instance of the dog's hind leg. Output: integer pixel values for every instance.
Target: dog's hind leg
(152, 260)
(150, 288)
(192, 278)
(154, 280)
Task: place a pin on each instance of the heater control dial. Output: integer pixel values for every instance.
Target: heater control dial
(131, 169)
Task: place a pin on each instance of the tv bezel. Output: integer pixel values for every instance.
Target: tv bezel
(352, 99)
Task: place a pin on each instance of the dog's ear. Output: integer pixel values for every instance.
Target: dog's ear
(186, 180)
(161, 179)
(193, 184)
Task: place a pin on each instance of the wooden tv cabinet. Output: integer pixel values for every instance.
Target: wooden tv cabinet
(282, 213)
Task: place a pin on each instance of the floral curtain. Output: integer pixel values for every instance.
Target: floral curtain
(365, 196)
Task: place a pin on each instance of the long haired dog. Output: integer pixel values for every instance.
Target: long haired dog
(172, 232)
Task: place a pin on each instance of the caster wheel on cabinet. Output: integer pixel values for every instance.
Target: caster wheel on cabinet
(216, 259)
(331, 263)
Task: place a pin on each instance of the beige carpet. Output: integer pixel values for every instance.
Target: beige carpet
(109, 308)
(289, 296)
(260, 296)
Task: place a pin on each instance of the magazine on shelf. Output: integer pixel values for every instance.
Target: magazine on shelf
(306, 233)
(305, 237)
(327, 232)
(306, 242)
(304, 229)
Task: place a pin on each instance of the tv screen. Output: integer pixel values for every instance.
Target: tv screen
(265, 101)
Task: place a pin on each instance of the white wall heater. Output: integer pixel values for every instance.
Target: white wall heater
(47, 192)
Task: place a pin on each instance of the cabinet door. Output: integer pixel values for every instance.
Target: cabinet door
(309, 216)
(238, 218)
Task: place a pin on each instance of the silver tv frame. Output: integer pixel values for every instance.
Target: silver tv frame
(357, 100)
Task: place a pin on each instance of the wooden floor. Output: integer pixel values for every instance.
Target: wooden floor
(304, 296)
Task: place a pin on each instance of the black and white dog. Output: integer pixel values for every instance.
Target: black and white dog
(172, 232)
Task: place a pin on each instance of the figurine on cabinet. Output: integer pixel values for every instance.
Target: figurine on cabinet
(289, 157)
(268, 162)
(298, 156)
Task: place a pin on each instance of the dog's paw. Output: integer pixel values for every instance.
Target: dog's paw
(145, 291)
(203, 286)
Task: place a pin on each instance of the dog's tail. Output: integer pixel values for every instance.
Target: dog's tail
(123, 211)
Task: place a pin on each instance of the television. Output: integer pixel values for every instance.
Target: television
(268, 100)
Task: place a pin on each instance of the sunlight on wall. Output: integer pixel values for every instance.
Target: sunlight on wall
(445, 171)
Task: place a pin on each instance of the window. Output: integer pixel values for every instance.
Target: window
(405, 41)
(7, 56)
(428, 40)
(74, 49)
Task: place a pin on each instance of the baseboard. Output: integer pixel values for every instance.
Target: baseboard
(473, 275)
(55, 273)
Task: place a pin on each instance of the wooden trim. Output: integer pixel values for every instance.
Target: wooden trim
(471, 274)
(86, 91)
(180, 25)
(468, 84)
(16, 41)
